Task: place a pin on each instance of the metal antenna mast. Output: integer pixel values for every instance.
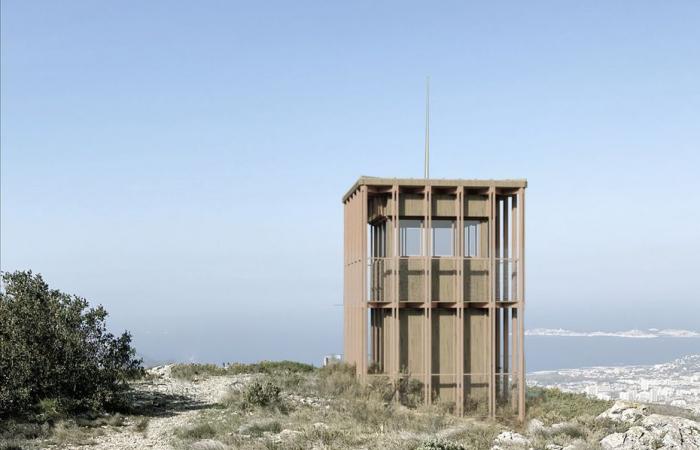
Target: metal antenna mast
(427, 127)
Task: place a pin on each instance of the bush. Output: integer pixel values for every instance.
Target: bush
(200, 431)
(338, 380)
(553, 405)
(262, 394)
(269, 367)
(53, 346)
(194, 371)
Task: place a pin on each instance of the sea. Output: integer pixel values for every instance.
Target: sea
(572, 352)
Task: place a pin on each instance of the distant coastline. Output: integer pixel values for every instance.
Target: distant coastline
(557, 352)
(650, 333)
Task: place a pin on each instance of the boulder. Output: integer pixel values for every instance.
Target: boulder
(535, 426)
(510, 439)
(624, 412)
(650, 430)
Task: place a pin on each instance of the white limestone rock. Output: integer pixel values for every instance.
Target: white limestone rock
(208, 444)
(624, 412)
(535, 426)
(510, 439)
(320, 426)
(650, 430)
(286, 435)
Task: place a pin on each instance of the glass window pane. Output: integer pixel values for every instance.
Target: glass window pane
(442, 238)
(471, 238)
(411, 235)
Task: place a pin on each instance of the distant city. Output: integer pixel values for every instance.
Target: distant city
(676, 383)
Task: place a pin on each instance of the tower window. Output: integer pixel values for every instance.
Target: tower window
(443, 237)
(411, 236)
(471, 238)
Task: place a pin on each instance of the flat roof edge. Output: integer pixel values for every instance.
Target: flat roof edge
(379, 181)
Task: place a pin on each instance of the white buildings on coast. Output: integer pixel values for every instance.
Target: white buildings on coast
(676, 383)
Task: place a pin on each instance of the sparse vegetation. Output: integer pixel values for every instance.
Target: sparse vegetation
(440, 444)
(572, 418)
(320, 408)
(553, 405)
(199, 431)
(142, 424)
(262, 394)
(329, 407)
(197, 371)
(673, 411)
(269, 367)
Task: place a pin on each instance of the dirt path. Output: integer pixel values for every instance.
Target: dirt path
(169, 404)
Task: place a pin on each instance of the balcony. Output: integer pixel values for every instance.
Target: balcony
(444, 279)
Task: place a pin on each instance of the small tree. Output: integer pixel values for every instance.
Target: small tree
(54, 346)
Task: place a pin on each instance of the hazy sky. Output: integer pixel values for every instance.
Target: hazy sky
(183, 163)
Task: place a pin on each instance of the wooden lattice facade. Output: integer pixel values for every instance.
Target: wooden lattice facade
(434, 288)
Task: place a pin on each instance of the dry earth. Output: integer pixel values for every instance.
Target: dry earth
(168, 403)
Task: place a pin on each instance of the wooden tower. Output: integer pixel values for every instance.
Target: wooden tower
(434, 288)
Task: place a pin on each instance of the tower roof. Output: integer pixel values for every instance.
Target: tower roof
(440, 182)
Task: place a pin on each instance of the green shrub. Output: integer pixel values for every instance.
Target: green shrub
(200, 431)
(410, 392)
(338, 379)
(142, 424)
(269, 367)
(553, 405)
(53, 346)
(258, 428)
(11, 430)
(49, 409)
(193, 371)
(262, 394)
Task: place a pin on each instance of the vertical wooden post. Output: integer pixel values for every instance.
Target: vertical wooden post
(459, 369)
(396, 345)
(507, 295)
(365, 286)
(515, 358)
(345, 279)
(492, 301)
(521, 309)
(515, 254)
(498, 297)
(427, 300)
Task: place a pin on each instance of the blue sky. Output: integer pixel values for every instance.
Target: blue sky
(164, 159)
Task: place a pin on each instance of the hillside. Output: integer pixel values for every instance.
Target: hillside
(293, 406)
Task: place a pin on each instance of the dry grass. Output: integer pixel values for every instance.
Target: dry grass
(49, 427)
(287, 406)
(554, 406)
(199, 371)
(343, 414)
(328, 408)
(142, 424)
(669, 410)
(573, 417)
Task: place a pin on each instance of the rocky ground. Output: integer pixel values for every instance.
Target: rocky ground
(198, 413)
(642, 430)
(168, 404)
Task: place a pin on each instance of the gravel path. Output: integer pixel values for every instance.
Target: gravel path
(169, 403)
